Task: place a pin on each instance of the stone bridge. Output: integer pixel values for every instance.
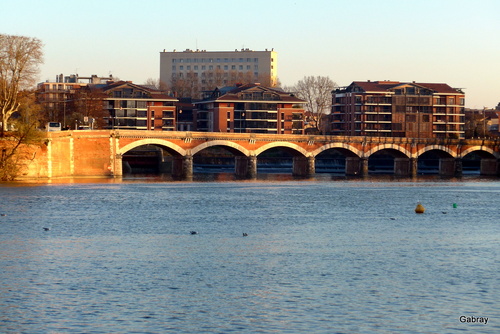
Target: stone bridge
(99, 153)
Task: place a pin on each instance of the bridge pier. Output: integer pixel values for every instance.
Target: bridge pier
(245, 167)
(304, 166)
(447, 167)
(118, 166)
(352, 166)
(364, 167)
(489, 167)
(182, 167)
(458, 167)
(413, 167)
(311, 166)
(402, 166)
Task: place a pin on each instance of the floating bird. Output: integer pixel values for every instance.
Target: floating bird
(392, 218)
(245, 234)
(193, 232)
(3, 215)
(46, 228)
(444, 212)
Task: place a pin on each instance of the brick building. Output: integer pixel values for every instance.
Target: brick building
(398, 109)
(138, 107)
(250, 108)
(57, 98)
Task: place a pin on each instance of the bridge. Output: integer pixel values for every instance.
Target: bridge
(100, 152)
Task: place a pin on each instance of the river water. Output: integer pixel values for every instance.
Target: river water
(326, 255)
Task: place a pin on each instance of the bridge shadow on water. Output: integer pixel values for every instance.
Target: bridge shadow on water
(281, 176)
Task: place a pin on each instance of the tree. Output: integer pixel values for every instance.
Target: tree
(317, 91)
(20, 58)
(160, 85)
(87, 104)
(20, 146)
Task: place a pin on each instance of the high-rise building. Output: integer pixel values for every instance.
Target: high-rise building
(398, 109)
(210, 69)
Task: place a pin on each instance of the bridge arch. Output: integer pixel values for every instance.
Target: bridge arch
(441, 148)
(480, 148)
(344, 146)
(153, 141)
(293, 147)
(393, 147)
(232, 146)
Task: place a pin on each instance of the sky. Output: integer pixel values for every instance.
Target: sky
(439, 41)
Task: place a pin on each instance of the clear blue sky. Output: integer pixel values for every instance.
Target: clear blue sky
(448, 41)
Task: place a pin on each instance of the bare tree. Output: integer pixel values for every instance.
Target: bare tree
(88, 104)
(317, 91)
(152, 82)
(20, 58)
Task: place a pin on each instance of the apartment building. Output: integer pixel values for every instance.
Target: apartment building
(398, 109)
(220, 68)
(250, 108)
(138, 107)
(57, 97)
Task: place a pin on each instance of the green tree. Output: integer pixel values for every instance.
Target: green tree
(20, 58)
(19, 146)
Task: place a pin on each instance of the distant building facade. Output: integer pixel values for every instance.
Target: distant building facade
(250, 108)
(398, 109)
(212, 69)
(57, 97)
(138, 107)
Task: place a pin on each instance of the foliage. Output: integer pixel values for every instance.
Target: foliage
(20, 57)
(14, 146)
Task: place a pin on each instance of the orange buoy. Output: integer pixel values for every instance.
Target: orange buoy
(420, 208)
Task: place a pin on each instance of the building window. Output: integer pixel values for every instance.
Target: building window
(173, 68)
(226, 67)
(196, 67)
(241, 67)
(181, 68)
(256, 60)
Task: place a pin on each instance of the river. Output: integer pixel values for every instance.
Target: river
(324, 255)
